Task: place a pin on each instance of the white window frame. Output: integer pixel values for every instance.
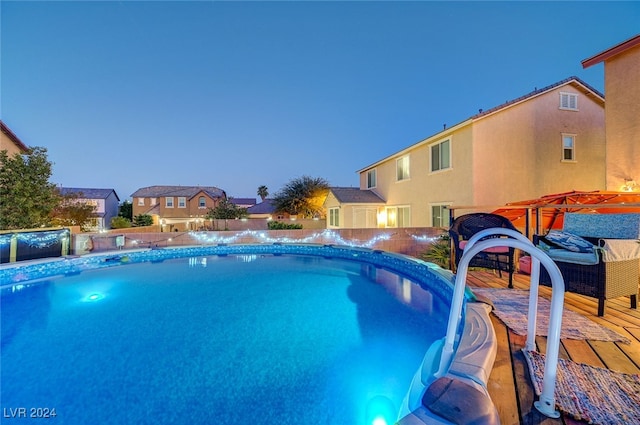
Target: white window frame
(444, 215)
(154, 201)
(141, 202)
(334, 217)
(403, 167)
(440, 150)
(372, 175)
(168, 202)
(396, 216)
(568, 101)
(182, 202)
(572, 148)
(202, 202)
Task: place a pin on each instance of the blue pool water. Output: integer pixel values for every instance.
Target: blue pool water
(233, 339)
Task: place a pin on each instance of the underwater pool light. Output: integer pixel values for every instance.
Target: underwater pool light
(93, 297)
(380, 411)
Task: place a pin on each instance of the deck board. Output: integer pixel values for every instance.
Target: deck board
(510, 385)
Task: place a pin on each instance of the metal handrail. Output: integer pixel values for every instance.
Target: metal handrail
(546, 402)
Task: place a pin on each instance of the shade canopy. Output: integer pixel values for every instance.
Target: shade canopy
(550, 209)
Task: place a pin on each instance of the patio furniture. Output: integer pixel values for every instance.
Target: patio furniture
(610, 269)
(498, 258)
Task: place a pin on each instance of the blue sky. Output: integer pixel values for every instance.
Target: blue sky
(128, 94)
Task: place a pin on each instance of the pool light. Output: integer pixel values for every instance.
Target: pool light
(93, 297)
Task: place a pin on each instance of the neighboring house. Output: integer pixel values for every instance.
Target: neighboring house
(243, 202)
(10, 142)
(177, 208)
(550, 140)
(106, 202)
(267, 210)
(622, 113)
(350, 207)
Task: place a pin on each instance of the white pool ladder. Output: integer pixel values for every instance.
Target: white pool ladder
(546, 403)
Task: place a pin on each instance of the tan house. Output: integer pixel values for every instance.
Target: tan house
(10, 142)
(177, 208)
(622, 113)
(550, 140)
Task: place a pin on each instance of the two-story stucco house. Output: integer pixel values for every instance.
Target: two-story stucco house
(622, 113)
(10, 142)
(177, 208)
(106, 202)
(549, 140)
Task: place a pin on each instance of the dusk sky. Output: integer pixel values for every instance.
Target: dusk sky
(129, 94)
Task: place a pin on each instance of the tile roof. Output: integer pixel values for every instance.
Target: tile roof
(89, 193)
(243, 201)
(265, 207)
(354, 195)
(187, 191)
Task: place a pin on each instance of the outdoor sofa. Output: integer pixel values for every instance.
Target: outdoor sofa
(597, 254)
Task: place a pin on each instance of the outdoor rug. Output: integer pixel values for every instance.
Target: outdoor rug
(590, 394)
(512, 305)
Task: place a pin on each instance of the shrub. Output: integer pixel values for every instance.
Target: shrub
(277, 225)
(120, 222)
(439, 252)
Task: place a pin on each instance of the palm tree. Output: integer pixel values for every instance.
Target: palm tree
(263, 192)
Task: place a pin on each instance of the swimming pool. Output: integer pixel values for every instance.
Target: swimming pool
(236, 334)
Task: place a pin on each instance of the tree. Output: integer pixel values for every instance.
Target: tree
(73, 211)
(302, 196)
(142, 220)
(26, 196)
(226, 210)
(263, 192)
(120, 222)
(126, 210)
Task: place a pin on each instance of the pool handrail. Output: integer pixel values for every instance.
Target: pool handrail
(546, 402)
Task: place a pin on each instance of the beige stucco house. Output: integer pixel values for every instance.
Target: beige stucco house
(622, 113)
(10, 142)
(550, 140)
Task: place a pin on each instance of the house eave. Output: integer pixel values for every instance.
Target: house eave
(611, 52)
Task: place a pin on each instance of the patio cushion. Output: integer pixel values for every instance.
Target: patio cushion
(569, 241)
(493, 249)
(564, 255)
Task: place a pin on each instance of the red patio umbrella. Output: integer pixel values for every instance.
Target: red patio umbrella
(550, 209)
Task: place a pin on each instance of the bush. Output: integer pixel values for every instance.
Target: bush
(120, 222)
(439, 252)
(277, 225)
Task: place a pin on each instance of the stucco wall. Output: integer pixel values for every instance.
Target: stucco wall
(408, 241)
(622, 90)
(517, 152)
(6, 144)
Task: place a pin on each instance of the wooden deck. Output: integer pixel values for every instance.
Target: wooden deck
(509, 384)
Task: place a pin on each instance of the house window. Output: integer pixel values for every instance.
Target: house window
(402, 168)
(371, 179)
(439, 216)
(202, 202)
(182, 202)
(334, 217)
(169, 202)
(569, 101)
(568, 147)
(441, 155)
(154, 201)
(141, 202)
(398, 217)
